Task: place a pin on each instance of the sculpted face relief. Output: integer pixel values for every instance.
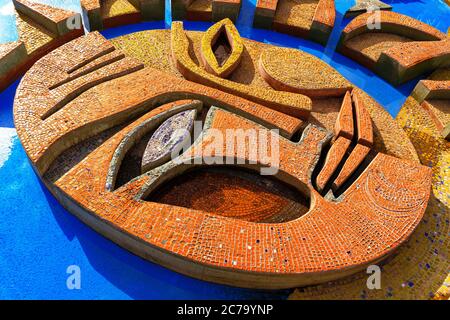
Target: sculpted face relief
(244, 175)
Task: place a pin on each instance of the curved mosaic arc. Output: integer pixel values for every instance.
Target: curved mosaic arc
(334, 239)
(205, 10)
(397, 47)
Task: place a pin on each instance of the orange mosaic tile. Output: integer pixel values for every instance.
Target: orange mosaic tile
(353, 126)
(344, 122)
(41, 29)
(114, 101)
(76, 92)
(394, 23)
(321, 83)
(308, 19)
(363, 121)
(356, 157)
(420, 268)
(232, 194)
(293, 104)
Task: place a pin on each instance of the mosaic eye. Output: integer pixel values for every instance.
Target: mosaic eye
(171, 136)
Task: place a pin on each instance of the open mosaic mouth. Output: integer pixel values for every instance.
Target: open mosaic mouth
(316, 182)
(234, 193)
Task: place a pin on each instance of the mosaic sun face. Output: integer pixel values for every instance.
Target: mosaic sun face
(129, 149)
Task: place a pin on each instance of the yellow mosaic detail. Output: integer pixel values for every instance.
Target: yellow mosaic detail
(237, 45)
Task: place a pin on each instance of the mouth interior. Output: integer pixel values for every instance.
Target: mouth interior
(233, 192)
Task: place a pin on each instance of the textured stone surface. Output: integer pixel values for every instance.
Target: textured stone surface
(265, 13)
(193, 222)
(363, 6)
(432, 89)
(408, 60)
(205, 10)
(12, 56)
(41, 29)
(296, 71)
(226, 29)
(372, 218)
(53, 19)
(172, 135)
(92, 10)
(293, 104)
(399, 50)
(151, 48)
(236, 194)
(113, 13)
(356, 157)
(332, 161)
(392, 22)
(433, 151)
(363, 121)
(420, 269)
(354, 139)
(433, 94)
(115, 102)
(313, 19)
(368, 47)
(119, 12)
(344, 123)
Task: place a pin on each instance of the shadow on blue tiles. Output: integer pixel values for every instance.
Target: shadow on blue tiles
(6, 105)
(138, 278)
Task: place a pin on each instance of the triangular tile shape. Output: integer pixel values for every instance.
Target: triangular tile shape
(53, 19)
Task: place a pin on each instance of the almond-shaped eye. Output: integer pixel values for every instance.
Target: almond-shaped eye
(153, 142)
(171, 136)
